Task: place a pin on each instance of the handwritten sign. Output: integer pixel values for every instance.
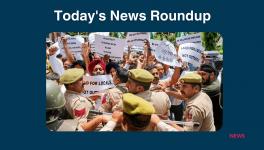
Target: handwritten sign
(91, 36)
(137, 38)
(154, 44)
(113, 47)
(74, 43)
(99, 83)
(191, 53)
(166, 53)
(193, 38)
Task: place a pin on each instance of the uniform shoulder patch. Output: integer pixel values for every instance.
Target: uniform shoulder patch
(79, 113)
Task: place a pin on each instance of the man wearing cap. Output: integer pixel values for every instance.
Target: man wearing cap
(198, 104)
(136, 116)
(77, 106)
(211, 86)
(139, 81)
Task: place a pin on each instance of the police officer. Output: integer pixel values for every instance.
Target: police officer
(139, 81)
(198, 104)
(114, 95)
(54, 104)
(138, 115)
(77, 106)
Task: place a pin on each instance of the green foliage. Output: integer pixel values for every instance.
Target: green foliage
(77, 33)
(210, 40)
(169, 36)
(121, 35)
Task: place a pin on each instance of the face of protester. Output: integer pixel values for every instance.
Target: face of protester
(187, 90)
(116, 80)
(133, 58)
(155, 73)
(67, 64)
(141, 58)
(205, 77)
(77, 86)
(160, 70)
(113, 72)
(98, 70)
(152, 59)
(133, 87)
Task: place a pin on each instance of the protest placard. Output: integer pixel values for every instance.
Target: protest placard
(134, 49)
(166, 53)
(193, 38)
(154, 44)
(74, 43)
(56, 44)
(99, 83)
(113, 47)
(137, 38)
(91, 38)
(191, 53)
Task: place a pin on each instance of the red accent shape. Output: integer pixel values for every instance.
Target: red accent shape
(104, 99)
(79, 113)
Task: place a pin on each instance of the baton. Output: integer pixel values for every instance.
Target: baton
(99, 113)
(185, 123)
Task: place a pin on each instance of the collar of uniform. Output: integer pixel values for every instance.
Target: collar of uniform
(145, 95)
(72, 92)
(121, 84)
(192, 98)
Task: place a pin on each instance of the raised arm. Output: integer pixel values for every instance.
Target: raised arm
(86, 49)
(67, 50)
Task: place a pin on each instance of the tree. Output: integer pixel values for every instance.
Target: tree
(210, 40)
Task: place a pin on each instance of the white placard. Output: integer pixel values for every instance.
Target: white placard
(74, 44)
(192, 54)
(56, 44)
(137, 38)
(134, 49)
(113, 47)
(166, 53)
(154, 44)
(91, 38)
(98, 83)
(193, 38)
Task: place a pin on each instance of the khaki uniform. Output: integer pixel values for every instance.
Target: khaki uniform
(135, 105)
(199, 109)
(113, 97)
(159, 100)
(77, 106)
(154, 87)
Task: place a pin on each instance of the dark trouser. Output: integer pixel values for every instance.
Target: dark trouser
(176, 112)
